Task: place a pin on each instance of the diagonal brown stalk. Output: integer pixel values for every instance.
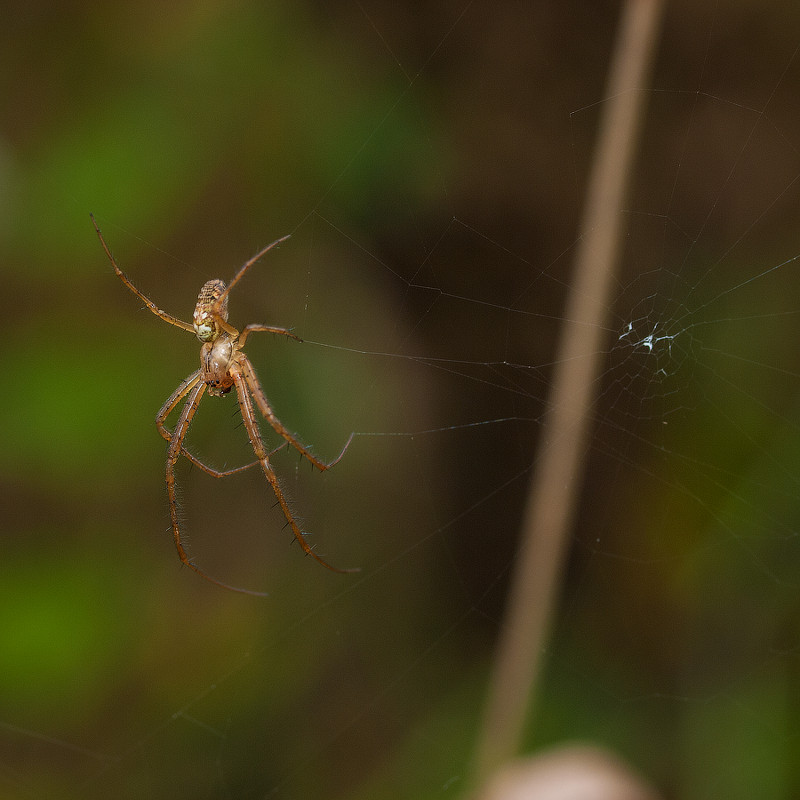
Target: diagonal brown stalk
(557, 479)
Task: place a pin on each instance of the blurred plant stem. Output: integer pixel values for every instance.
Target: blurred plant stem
(553, 496)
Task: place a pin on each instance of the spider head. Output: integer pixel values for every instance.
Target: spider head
(216, 389)
(209, 311)
(215, 362)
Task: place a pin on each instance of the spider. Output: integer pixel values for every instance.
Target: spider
(223, 366)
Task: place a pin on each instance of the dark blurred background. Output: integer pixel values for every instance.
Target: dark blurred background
(430, 162)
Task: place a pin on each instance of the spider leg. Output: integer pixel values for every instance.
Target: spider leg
(249, 375)
(221, 299)
(254, 327)
(175, 398)
(127, 281)
(249, 417)
(173, 453)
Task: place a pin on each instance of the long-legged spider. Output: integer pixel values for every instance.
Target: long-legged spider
(223, 366)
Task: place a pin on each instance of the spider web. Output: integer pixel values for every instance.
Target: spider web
(430, 317)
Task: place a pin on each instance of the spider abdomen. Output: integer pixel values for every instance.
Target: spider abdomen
(208, 310)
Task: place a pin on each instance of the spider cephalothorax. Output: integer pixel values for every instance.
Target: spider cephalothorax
(223, 366)
(216, 358)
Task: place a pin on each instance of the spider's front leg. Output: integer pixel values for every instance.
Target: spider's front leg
(168, 407)
(173, 454)
(250, 378)
(251, 425)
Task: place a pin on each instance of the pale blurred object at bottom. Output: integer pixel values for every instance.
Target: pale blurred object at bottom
(576, 772)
